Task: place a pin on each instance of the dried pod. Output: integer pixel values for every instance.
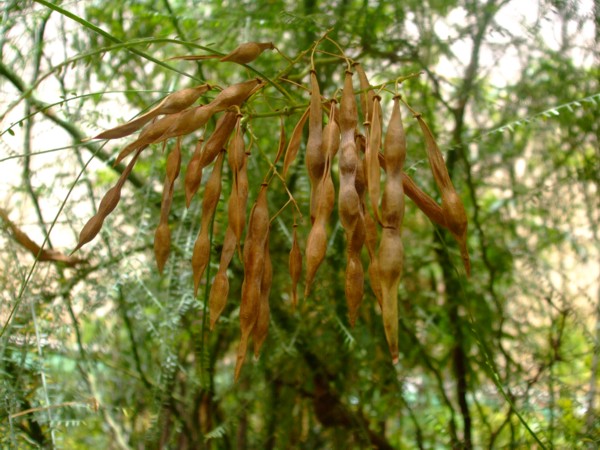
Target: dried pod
(172, 103)
(294, 144)
(218, 297)
(354, 286)
(162, 245)
(423, 201)
(371, 244)
(218, 139)
(235, 94)
(212, 192)
(248, 52)
(316, 244)
(315, 158)
(453, 209)
(253, 257)
(390, 269)
(367, 94)
(238, 198)
(261, 328)
(295, 263)
(193, 174)
(188, 121)
(220, 287)
(162, 237)
(372, 159)
(107, 205)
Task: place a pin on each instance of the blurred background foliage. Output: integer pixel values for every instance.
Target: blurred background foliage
(109, 354)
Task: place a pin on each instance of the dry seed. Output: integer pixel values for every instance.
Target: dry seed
(261, 328)
(294, 144)
(248, 52)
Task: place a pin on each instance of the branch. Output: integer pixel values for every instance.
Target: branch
(71, 129)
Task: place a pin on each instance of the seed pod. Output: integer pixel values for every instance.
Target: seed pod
(315, 159)
(212, 192)
(235, 94)
(423, 201)
(107, 205)
(247, 52)
(238, 198)
(294, 144)
(188, 121)
(295, 263)
(372, 160)
(316, 244)
(453, 209)
(371, 244)
(331, 136)
(162, 237)
(253, 256)
(261, 328)
(390, 269)
(220, 288)
(218, 297)
(217, 140)
(392, 203)
(354, 286)
(172, 103)
(193, 174)
(366, 97)
(162, 245)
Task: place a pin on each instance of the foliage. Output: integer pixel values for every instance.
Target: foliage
(110, 354)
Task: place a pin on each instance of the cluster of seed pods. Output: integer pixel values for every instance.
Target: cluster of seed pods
(370, 212)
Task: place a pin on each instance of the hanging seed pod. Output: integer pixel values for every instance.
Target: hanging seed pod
(261, 329)
(193, 174)
(188, 121)
(315, 159)
(354, 286)
(149, 135)
(453, 209)
(247, 52)
(367, 95)
(200, 159)
(423, 201)
(316, 244)
(390, 269)
(220, 288)
(238, 198)
(294, 144)
(253, 256)
(212, 192)
(162, 236)
(295, 263)
(235, 94)
(172, 103)
(107, 205)
(371, 244)
(372, 160)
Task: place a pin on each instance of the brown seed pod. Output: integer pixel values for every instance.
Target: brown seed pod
(295, 263)
(162, 245)
(107, 205)
(188, 121)
(453, 209)
(193, 174)
(212, 192)
(261, 328)
(390, 269)
(367, 94)
(162, 237)
(316, 244)
(372, 160)
(220, 288)
(423, 201)
(218, 139)
(315, 159)
(172, 103)
(218, 297)
(235, 94)
(247, 52)
(253, 256)
(354, 286)
(294, 144)
(238, 198)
